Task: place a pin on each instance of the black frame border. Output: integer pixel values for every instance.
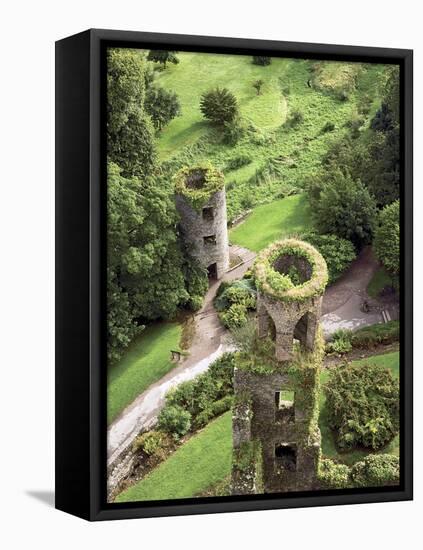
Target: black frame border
(81, 376)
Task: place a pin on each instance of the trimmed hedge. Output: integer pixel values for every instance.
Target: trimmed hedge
(368, 337)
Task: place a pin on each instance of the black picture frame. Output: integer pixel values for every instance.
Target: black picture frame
(80, 274)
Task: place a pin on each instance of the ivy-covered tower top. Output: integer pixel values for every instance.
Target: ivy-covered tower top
(291, 276)
(201, 202)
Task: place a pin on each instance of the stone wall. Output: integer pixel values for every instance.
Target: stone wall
(206, 236)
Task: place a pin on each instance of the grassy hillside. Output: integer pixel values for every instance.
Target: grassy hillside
(146, 360)
(278, 155)
(201, 462)
(273, 221)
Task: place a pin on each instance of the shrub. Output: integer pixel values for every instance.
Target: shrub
(363, 405)
(257, 85)
(153, 443)
(175, 421)
(369, 337)
(238, 162)
(332, 475)
(241, 292)
(163, 57)
(376, 471)
(217, 408)
(262, 60)
(219, 106)
(341, 342)
(233, 131)
(328, 127)
(200, 394)
(195, 302)
(338, 252)
(235, 316)
(387, 238)
(162, 106)
(344, 207)
(295, 118)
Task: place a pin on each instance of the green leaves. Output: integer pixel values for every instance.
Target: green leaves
(219, 106)
(387, 238)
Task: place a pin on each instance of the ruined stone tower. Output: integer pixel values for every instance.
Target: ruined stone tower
(201, 202)
(276, 437)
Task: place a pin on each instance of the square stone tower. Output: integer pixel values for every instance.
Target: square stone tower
(276, 437)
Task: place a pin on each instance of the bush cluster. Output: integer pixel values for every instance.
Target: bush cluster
(333, 475)
(153, 444)
(338, 252)
(363, 405)
(379, 470)
(370, 337)
(340, 343)
(376, 471)
(192, 404)
(234, 300)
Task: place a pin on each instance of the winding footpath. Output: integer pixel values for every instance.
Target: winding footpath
(207, 346)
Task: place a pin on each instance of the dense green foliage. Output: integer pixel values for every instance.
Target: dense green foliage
(144, 362)
(340, 342)
(262, 60)
(154, 444)
(204, 397)
(162, 106)
(363, 404)
(202, 461)
(174, 420)
(338, 252)
(343, 206)
(376, 471)
(233, 300)
(149, 275)
(387, 238)
(163, 57)
(371, 336)
(219, 106)
(333, 475)
(130, 136)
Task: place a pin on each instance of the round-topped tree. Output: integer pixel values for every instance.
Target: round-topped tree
(201, 202)
(291, 277)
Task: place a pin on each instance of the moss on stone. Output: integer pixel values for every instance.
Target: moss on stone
(198, 183)
(280, 285)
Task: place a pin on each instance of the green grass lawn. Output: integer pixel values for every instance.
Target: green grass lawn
(146, 360)
(270, 222)
(378, 282)
(390, 361)
(201, 462)
(197, 73)
(281, 156)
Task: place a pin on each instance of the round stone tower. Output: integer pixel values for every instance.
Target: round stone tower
(201, 202)
(276, 436)
(291, 277)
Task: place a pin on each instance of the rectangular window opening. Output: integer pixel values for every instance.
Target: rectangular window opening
(284, 406)
(208, 214)
(286, 456)
(210, 239)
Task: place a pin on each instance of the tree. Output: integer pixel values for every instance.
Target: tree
(162, 106)
(262, 60)
(163, 57)
(344, 207)
(258, 84)
(387, 238)
(363, 405)
(130, 134)
(219, 106)
(145, 263)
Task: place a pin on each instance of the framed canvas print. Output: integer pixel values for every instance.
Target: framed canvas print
(234, 274)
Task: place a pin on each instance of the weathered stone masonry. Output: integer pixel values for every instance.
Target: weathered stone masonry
(203, 223)
(282, 400)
